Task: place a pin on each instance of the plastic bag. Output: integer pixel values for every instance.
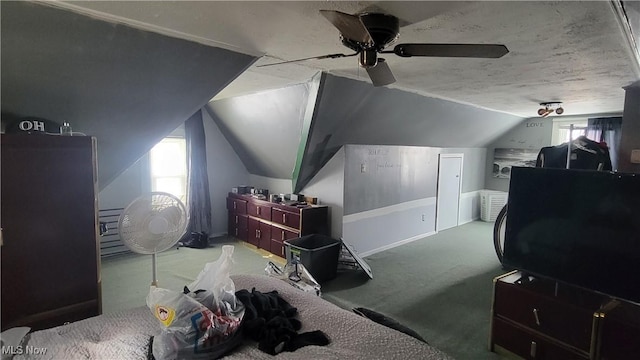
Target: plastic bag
(215, 277)
(200, 324)
(296, 275)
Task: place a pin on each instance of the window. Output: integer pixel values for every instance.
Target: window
(169, 167)
(562, 130)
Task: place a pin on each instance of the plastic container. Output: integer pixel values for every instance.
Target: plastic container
(318, 253)
(491, 202)
(65, 129)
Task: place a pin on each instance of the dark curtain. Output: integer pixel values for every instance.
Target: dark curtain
(608, 130)
(198, 199)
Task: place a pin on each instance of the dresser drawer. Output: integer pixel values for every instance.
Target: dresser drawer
(236, 205)
(277, 248)
(529, 345)
(259, 210)
(280, 234)
(558, 319)
(286, 218)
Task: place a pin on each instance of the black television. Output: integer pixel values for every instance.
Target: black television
(579, 227)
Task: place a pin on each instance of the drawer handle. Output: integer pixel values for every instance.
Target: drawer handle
(258, 210)
(282, 235)
(236, 219)
(534, 347)
(284, 218)
(535, 314)
(235, 205)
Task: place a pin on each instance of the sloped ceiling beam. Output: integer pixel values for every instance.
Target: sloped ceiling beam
(127, 87)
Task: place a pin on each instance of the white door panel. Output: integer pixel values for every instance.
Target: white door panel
(449, 181)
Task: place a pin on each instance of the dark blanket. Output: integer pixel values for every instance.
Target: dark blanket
(271, 321)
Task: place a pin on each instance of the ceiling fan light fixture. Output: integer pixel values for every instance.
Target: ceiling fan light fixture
(368, 58)
(549, 107)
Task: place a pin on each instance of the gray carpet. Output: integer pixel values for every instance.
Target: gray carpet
(440, 286)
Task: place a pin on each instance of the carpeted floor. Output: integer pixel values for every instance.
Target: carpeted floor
(440, 286)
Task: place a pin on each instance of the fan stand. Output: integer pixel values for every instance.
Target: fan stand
(154, 271)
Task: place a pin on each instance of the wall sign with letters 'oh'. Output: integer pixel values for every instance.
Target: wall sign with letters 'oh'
(33, 125)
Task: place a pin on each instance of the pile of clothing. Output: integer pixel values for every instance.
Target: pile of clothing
(271, 321)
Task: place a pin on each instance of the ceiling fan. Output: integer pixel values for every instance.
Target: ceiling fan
(369, 33)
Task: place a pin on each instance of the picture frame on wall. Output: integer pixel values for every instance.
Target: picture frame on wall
(505, 158)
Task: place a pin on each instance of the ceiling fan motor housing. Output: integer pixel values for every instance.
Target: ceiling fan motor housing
(383, 29)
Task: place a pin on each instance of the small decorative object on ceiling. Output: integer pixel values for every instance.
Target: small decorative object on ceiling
(549, 107)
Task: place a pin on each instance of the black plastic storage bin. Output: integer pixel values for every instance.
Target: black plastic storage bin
(318, 253)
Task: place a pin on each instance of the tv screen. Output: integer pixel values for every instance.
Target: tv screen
(580, 227)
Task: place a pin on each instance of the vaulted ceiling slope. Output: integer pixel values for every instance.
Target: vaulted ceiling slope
(570, 51)
(128, 88)
(290, 133)
(264, 129)
(354, 112)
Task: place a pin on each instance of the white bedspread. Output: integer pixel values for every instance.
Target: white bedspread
(125, 334)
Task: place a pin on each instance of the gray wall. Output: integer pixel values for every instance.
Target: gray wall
(225, 170)
(264, 128)
(127, 87)
(131, 183)
(274, 185)
(534, 134)
(390, 193)
(473, 176)
(379, 176)
(328, 187)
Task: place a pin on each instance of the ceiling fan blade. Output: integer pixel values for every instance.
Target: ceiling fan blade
(350, 26)
(329, 56)
(450, 50)
(381, 74)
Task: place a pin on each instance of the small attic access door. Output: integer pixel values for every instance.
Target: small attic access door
(449, 185)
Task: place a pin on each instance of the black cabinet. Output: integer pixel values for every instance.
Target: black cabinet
(50, 253)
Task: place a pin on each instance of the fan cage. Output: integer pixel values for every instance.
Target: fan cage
(153, 223)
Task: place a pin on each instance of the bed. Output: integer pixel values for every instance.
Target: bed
(126, 334)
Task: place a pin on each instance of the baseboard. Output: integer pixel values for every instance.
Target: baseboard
(219, 234)
(468, 221)
(397, 243)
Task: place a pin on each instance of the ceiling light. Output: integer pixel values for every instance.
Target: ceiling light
(549, 107)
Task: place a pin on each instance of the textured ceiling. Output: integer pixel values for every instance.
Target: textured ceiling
(574, 52)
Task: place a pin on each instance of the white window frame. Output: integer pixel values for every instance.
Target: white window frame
(561, 126)
(179, 171)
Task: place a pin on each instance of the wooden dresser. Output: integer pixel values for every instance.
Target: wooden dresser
(50, 254)
(267, 225)
(534, 318)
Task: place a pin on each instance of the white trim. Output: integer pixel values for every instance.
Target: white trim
(470, 194)
(627, 30)
(388, 209)
(397, 243)
(468, 221)
(453, 155)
